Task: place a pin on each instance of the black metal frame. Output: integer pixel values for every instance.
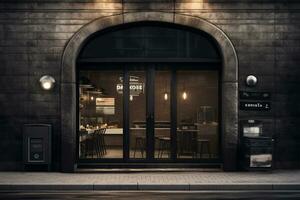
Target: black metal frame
(126, 160)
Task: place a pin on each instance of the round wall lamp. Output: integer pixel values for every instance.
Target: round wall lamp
(251, 81)
(47, 82)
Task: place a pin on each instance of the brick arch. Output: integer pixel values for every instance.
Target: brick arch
(229, 80)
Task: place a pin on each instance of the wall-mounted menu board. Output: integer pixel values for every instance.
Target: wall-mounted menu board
(105, 106)
(105, 101)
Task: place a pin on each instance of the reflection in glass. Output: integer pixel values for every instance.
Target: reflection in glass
(137, 114)
(100, 114)
(197, 114)
(162, 125)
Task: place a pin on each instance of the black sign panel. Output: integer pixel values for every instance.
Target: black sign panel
(255, 95)
(255, 105)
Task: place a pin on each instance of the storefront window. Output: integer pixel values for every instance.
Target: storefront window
(137, 114)
(162, 122)
(150, 41)
(197, 114)
(100, 114)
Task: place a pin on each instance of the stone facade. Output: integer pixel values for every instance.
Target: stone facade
(34, 34)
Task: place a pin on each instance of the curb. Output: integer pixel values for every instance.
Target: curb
(150, 186)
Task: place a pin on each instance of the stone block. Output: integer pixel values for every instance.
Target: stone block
(145, 6)
(151, 186)
(68, 126)
(118, 186)
(148, 16)
(229, 113)
(188, 6)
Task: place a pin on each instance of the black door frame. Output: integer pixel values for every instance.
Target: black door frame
(150, 74)
(150, 70)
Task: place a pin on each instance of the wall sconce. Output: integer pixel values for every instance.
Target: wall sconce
(251, 81)
(47, 82)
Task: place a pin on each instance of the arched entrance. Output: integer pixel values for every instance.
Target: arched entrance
(228, 83)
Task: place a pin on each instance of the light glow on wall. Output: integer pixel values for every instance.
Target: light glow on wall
(184, 95)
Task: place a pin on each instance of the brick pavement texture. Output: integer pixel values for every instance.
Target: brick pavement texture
(155, 178)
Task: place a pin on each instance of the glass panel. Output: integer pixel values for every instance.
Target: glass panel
(137, 114)
(162, 115)
(197, 114)
(100, 114)
(151, 41)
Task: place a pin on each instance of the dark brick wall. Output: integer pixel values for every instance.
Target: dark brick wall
(33, 34)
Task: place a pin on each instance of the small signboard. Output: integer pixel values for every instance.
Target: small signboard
(105, 101)
(105, 106)
(261, 160)
(255, 105)
(135, 86)
(255, 95)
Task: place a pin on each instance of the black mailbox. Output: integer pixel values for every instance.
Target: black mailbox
(256, 149)
(37, 145)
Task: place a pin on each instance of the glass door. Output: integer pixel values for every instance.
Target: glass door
(137, 113)
(197, 114)
(162, 114)
(149, 116)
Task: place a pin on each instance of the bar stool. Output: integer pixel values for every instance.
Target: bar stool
(82, 146)
(163, 145)
(140, 145)
(99, 142)
(89, 144)
(102, 141)
(204, 143)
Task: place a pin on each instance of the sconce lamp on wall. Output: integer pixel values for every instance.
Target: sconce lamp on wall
(251, 81)
(47, 82)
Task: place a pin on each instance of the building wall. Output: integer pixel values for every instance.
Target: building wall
(33, 34)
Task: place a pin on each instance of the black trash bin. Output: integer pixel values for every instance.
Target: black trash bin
(258, 153)
(37, 146)
(256, 149)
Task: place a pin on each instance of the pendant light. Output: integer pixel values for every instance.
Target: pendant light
(166, 96)
(184, 95)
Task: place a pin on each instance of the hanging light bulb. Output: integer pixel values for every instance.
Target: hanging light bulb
(184, 95)
(131, 98)
(166, 96)
(92, 98)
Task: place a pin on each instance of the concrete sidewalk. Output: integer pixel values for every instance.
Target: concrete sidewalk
(276, 180)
